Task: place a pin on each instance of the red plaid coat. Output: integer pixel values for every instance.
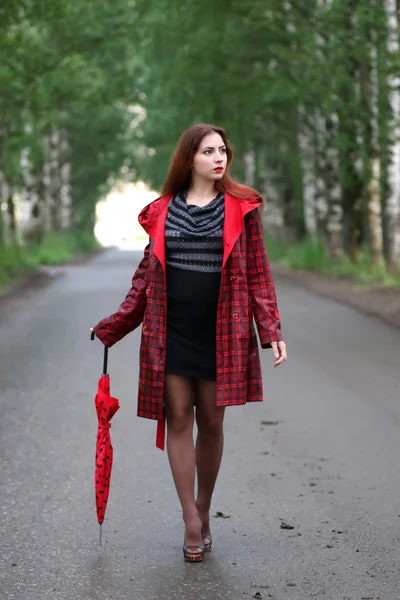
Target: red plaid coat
(247, 291)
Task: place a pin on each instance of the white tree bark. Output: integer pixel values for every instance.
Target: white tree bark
(65, 181)
(375, 214)
(272, 214)
(374, 196)
(307, 164)
(393, 202)
(3, 208)
(321, 192)
(334, 225)
(54, 179)
(249, 168)
(46, 187)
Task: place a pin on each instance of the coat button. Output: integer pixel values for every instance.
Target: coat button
(235, 315)
(233, 277)
(148, 290)
(153, 257)
(144, 327)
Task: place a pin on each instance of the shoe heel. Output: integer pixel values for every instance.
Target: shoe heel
(194, 556)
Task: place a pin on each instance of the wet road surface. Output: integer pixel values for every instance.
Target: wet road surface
(320, 455)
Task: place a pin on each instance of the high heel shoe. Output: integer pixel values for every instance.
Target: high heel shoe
(194, 553)
(207, 539)
(207, 542)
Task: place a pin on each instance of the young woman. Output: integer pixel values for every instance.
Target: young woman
(204, 276)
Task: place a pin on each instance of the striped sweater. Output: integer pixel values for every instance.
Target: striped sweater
(193, 234)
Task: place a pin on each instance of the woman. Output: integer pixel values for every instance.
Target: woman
(204, 276)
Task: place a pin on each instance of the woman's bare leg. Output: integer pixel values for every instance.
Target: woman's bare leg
(181, 454)
(209, 445)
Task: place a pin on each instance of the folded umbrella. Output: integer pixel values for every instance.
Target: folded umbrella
(106, 407)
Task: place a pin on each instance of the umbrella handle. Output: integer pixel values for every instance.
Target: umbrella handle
(105, 360)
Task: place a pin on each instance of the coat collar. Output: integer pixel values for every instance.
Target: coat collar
(152, 218)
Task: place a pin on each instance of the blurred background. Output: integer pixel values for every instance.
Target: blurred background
(94, 96)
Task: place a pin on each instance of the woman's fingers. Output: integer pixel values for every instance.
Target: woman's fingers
(275, 350)
(279, 350)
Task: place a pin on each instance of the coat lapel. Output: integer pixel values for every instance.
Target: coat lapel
(152, 218)
(235, 212)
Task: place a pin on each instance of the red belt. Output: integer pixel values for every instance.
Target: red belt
(160, 436)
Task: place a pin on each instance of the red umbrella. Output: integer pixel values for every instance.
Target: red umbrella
(106, 407)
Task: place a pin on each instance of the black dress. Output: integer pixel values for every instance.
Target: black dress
(193, 272)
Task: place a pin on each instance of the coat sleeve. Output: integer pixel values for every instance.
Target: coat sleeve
(260, 283)
(131, 312)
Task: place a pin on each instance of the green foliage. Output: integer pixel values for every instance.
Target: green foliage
(121, 79)
(56, 248)
(363, 270)
(308, 255)
(68, 67)
(311, 255)
(12, 262)
(276, 249)
(61, 247)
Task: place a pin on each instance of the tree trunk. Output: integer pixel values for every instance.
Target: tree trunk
(308, 175)
(297, 179)
(65, 183)
(55, 180)
(12, 224)
(375, 216)
(249, 168)
(372, 161)
(350, 131)
(2, 223)
(393, 201)
(265, 183)
(321, 199)
(334, 225)
(44, 187)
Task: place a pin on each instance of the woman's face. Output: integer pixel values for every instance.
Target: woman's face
(210, 160)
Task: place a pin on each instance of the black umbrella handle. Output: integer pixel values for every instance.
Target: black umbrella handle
(105, 359)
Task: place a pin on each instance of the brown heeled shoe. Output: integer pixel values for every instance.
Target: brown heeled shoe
(194, 553)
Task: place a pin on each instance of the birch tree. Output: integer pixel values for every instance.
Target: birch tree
(393, 201)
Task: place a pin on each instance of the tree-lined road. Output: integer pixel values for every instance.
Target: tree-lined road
(321, 455)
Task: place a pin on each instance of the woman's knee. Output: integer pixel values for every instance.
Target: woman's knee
(178, 403)
(210, 425)
(179, 420)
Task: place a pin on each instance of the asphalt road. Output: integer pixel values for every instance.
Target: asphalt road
(327, 464)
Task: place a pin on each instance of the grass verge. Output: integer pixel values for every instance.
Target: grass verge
(56, 248)
(311, 255)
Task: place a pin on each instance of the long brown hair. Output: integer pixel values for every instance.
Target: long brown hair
(179, 174)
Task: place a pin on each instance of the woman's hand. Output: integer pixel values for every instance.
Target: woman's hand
(279, 350)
